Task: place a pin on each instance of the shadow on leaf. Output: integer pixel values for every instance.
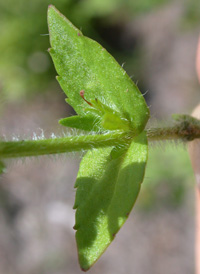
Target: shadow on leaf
(107, 189)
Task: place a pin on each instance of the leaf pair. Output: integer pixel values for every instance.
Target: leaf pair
(109, 179)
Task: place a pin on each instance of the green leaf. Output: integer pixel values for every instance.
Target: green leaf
(107, 188)
(83, 64)
(87, 122)
(105, 98)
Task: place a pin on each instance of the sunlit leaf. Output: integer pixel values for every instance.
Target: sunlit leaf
(83, 64)
(105, 98)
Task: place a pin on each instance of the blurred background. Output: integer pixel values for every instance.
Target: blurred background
(156, 42)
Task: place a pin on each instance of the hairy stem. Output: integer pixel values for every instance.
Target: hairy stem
(25, 148)
(187, 128)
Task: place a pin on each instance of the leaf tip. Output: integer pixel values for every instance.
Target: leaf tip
(84, 269)
(50, 6)
(52, 11)
(85, 265)
(61, 122)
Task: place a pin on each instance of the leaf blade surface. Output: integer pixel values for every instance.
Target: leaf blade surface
(106, 192)
(83, 64)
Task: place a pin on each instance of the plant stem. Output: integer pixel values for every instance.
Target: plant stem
(27, 148)
(187, 128)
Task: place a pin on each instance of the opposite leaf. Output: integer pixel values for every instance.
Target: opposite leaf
(82, 64)
(107, 189)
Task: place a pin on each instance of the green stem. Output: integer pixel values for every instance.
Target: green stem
(27, 148)
(187, 129)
